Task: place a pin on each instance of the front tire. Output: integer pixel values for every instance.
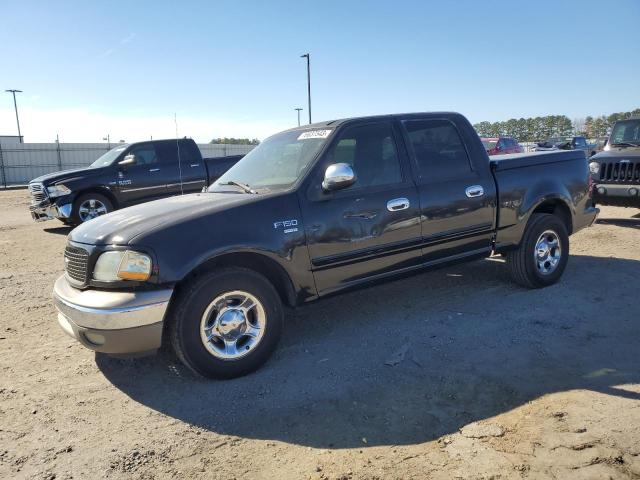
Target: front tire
(226, 323)
(89, 206)
(543, 253)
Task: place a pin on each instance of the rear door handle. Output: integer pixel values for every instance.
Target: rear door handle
(398, 204)
(193, 165)
(474, 191)
(154, 169)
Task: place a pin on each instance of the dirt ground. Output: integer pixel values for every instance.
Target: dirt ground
(455, 373)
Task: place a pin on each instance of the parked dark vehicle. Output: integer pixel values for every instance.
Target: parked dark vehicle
(501, 145)
(566, 143)
(124, 176)
(310, 212)
(616, 171)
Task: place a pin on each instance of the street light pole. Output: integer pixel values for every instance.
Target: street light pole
(15, 105)
(298, 110)
(308, 57)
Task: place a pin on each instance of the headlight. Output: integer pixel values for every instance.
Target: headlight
(594, 167)
(58, 190)
(122, 265)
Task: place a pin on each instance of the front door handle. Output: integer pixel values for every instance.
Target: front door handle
(154, 169)
(474, 191)
(398, 204)
(193, 165)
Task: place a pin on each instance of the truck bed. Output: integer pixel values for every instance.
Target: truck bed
(520, 160)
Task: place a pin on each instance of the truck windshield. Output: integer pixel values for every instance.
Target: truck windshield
(626, 132)
(109, 157)
(277, 163)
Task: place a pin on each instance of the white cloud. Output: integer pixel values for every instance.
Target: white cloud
(83, 125)
(128, 38)
(106, 53)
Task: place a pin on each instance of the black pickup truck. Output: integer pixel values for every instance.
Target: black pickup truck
(310, 212)
(616, 171)
(126, 175)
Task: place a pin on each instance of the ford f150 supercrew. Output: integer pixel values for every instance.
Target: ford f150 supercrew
(126, 175)
(310, 212)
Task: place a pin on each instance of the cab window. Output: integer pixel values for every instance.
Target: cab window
(438, 149)
(580, 142)
(144, 154)
(371, 152)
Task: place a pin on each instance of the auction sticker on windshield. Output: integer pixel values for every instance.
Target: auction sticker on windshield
(314, 134)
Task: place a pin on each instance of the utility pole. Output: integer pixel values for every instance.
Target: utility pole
(298, 110)
(108, 139)
(308, 57)
(15, 105)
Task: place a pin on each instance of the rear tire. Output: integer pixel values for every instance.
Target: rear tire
(207, 308)
(543, 253)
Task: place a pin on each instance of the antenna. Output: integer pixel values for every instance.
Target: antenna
(175, 120)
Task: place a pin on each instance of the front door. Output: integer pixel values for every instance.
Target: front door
(147, 179)
(371, 228)
(457, 198)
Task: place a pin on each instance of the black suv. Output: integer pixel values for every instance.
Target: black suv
(616, 171)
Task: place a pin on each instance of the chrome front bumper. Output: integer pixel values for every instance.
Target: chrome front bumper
(40, 213)
(112, 321)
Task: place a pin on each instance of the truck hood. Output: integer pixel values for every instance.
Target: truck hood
(618, 154)
(122, 226)
(66, 175)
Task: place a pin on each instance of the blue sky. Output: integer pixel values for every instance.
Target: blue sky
(232, 68)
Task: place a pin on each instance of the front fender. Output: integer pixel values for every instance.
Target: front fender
(247, 229)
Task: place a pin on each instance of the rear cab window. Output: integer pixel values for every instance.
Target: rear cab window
(438, 149)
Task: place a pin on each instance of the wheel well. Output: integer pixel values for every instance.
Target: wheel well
(258, 263)
(101, 191)
(559, 209)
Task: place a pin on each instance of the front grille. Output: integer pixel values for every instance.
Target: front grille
(38, 193)
(620, 172)
(76, 261)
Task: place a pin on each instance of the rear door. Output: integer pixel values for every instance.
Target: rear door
(194, 171)
(371, 228)
(183, 159)
(145, 180)
(457, 197)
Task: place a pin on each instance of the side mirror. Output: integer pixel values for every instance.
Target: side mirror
(128, 160)
(337, 176)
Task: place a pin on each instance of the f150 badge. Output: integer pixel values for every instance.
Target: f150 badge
(288, 226)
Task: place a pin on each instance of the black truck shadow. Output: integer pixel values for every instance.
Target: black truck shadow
(633, 222)
(62, 230)
(409, 361)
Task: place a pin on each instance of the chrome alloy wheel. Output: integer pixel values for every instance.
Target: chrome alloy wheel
(548, 252)
(233, 325)
(91, 208)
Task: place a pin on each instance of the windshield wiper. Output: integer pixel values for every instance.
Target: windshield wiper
(625, 144)
(243, 186)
